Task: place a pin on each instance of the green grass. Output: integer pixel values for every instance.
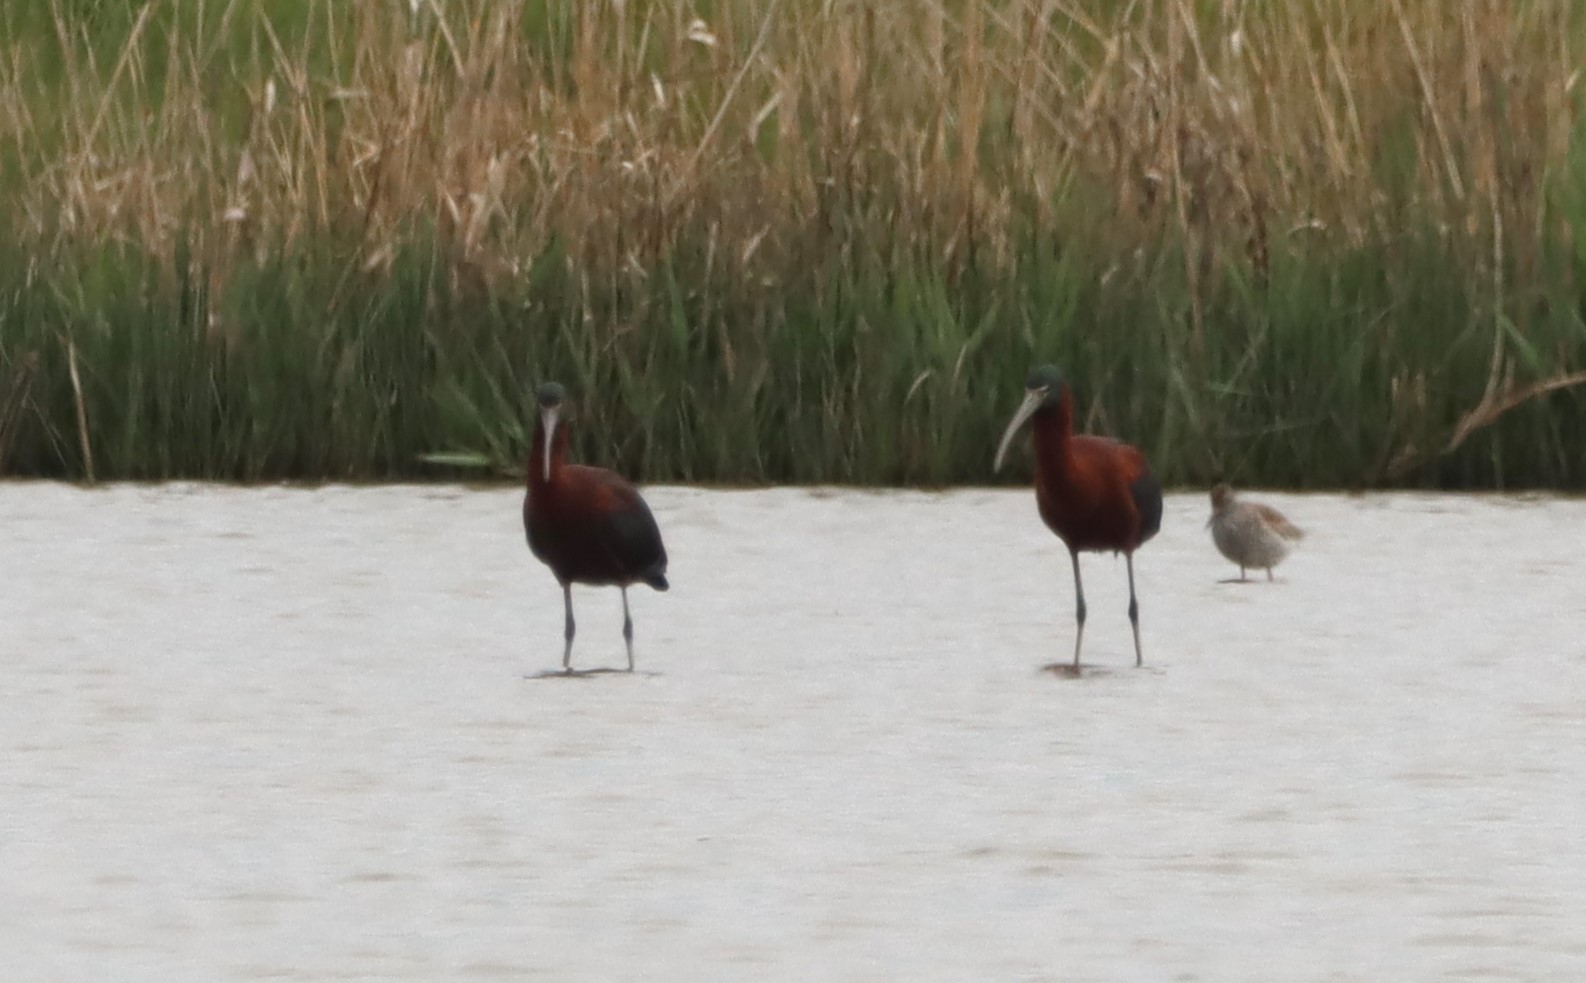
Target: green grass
(830, 256)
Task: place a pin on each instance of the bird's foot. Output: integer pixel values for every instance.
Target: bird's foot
(1067, 670)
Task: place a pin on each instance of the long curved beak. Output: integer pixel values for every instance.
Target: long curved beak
(1032, 400)
(548, 417)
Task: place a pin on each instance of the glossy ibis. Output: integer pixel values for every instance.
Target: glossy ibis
(1249, 533)
(589, 525)
(1094, 493)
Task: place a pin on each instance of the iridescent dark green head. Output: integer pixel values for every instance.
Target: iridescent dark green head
(549, 395)
(1043, 387)
(1047, 380)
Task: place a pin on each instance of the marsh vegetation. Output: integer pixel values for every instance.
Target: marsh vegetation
(1329, 243)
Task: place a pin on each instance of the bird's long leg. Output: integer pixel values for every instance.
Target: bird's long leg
(1242, 577)
(1134, 610)
(1269, 575)
(1079, 607)
(567, 632)
(627, 628)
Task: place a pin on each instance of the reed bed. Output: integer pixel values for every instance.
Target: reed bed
(1310, 243)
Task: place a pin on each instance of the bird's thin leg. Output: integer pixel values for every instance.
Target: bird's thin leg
(1269, 574)
(567, 632)
(1134, 610)
(1242, 577)
(1079, 607)
(627, 628)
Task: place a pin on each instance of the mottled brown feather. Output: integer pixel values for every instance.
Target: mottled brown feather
(1275, 520)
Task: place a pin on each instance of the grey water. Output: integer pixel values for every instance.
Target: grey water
(295, 733)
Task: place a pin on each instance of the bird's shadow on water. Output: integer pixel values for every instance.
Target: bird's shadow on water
(1067, 670)
(588, 673)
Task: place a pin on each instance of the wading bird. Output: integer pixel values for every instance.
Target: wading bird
(1096, 494)
(588, 525)
(1249, 533)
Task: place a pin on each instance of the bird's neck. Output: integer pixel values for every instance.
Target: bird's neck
(1054, 431)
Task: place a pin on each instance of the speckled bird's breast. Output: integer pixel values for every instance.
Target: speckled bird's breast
(1243, 538)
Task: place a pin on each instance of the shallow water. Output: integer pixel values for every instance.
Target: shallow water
(280, 733)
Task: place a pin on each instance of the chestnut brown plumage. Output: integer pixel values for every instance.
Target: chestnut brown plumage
(1095, 493)
(589, 525)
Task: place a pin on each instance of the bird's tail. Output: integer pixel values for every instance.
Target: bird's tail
(1278, 523)
(657, 580)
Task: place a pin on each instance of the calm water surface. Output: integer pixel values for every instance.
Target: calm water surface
(279, 733)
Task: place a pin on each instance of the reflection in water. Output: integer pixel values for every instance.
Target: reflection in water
(282, 732)
(588, 673)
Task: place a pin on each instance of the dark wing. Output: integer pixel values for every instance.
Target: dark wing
(634, 541)
(628, 537)
(1147, 493)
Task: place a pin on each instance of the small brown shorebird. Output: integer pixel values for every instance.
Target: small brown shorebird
(1249, 533)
